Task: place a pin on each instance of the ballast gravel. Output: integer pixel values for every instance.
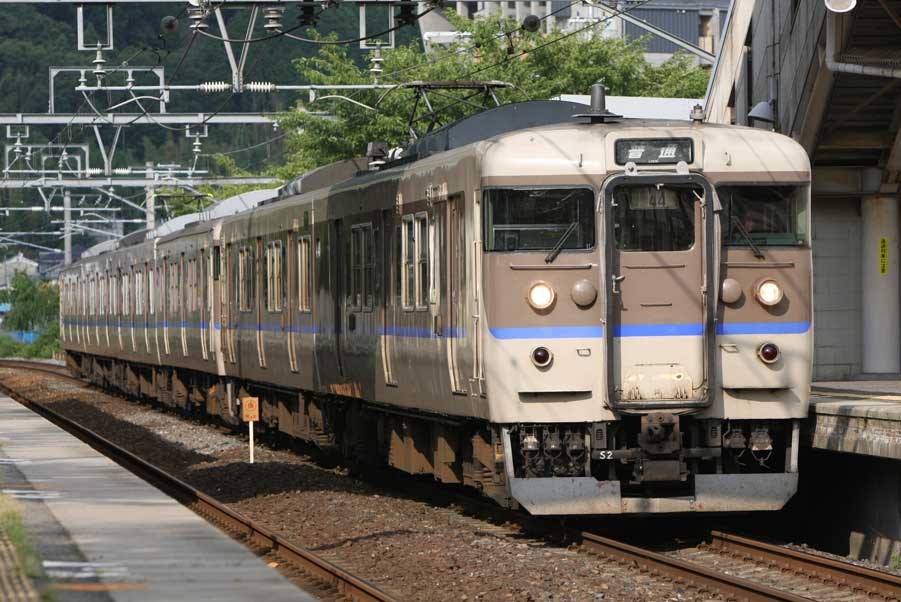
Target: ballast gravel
(414, 550)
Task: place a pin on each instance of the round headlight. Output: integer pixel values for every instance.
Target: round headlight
(768, 292)
(541, 295)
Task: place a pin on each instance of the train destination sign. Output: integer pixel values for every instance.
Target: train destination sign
(654, 151)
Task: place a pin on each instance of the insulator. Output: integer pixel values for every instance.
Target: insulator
(122, 171)
(93, 171)
(211, 87)
(260, 87)
(99, 62)
(17, 147)
(196, 147)
(376, 61)
(197, 17)
(273, 16)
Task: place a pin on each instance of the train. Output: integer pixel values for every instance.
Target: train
(571, 312)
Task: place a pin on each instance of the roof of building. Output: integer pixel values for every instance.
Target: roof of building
(20, 259)
(643, 107)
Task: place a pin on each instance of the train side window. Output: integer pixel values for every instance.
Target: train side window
(368, 268)
(246, 275)
(192, 285)
(101, 299)
(217, 258)
(355, 301)
(273, 276)
(152, 290)
(91, 296)
(305, 274)
(113, 289)
(423, 259)
(126, 295)
(408, 276)
(139, 292)
(362, 266)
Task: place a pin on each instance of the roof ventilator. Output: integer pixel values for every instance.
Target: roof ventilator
(598, 112)
(377, 153)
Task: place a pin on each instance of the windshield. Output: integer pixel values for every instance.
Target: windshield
(535, 219)
(770, 215)
(655, 217)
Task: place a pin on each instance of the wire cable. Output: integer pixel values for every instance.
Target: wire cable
(324, 42)
(247, 148)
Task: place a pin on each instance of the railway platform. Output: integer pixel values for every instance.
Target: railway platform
(858, 417)
(102, 533)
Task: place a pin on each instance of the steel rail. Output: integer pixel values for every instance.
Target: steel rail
(349, 585)
(700, 576)
(874, 582)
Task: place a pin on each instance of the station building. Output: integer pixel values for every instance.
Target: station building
(832, 81)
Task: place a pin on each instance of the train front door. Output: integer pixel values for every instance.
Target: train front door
(658, 268)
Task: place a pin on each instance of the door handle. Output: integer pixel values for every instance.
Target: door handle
(616, 280)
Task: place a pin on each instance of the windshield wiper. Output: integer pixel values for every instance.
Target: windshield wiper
(744, 233)
(559, 246)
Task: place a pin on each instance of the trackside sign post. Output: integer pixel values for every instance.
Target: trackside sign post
(250, 413)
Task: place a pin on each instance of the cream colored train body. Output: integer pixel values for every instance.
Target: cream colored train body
(575, 317)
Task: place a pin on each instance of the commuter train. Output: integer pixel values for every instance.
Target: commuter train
(571, 312)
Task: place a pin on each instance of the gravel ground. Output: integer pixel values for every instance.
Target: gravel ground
(415, 550)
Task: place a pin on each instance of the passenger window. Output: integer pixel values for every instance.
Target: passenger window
(305, 275)
(361, 268)
(408, 282)
(126, 296)
(102, 296)
(423, 254)
(246, 275)
(139, 293)
(273, 276)
(650, 217)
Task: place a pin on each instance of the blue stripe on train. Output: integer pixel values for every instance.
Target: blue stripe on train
(533, 332)
(648, 330)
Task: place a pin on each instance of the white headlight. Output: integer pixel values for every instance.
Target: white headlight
(541, 295)
(769, 292)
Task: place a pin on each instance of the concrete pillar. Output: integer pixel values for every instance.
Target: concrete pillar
(881, 287)
(149, 199)
(67, 227)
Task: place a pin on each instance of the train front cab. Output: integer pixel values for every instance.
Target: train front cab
(698, 343)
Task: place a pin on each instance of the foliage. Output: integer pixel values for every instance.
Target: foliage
(34, 305)
(13, 528)
(540, 66)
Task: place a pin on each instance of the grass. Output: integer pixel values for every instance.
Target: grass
(13, 528)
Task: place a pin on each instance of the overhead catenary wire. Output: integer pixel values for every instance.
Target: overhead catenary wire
(321, 42)
(248, 148)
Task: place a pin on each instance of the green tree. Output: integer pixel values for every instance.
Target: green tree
(538, 65)
(34, 305)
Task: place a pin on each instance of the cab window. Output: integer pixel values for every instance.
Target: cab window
(768, 215)
(538, 219)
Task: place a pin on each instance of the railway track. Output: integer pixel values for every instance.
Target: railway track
(344, 585)
(745, 569)
(731, 566)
